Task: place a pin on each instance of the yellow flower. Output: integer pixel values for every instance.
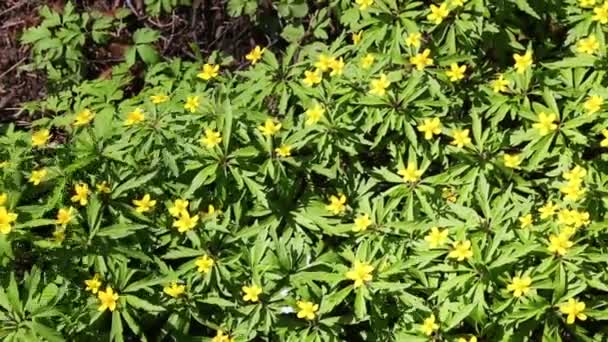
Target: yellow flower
(525, 221)
(456, 73)
(312, 77)
(522, 62)
(185, 222)
(436, 238)
(438, 13)
(204, 264)
(41, 137)
(255, 55)
(83, 118)
(211, 139)
(337, 67)
(461, 250)
(519, 286)
(422, 60)
(337, 204)
(411, 173)
(604, 142)
(548, 210)
(37, 176)
(413, 39)
(461, 137)
(458, 3)
(362, 223)
(81, 195)
(360, 273)
(174, 290)
(600, 13)
(251, 293)
(545, 124)
(462, 339)
(159, 98)
(220, 337)
(500, 85)
(593, 104)
(566, 217)
(179, 207)
(573, 218)
(93, 284)
(307, 309)
(211, 211)
(429, 325)
(283, 151)
(324, 62)
(209, 71)
(512, 161)
(6, 220)
(367, 61)
(588, 45)
(430, 127)
(356, 37)
(269, 128)
(586, 3)
(103, 187)
(576, 174)
(192, 103)
(314, 114)
(3, 198)
(3, 164)
(108, 299)
(364, 4)
(65, 216)
(379, 86)
(574, 309)
(144, 204)
(559, 244)
(573, 191)
(135, 117)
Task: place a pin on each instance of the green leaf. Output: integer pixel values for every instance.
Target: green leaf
(525, 7)
(13, 295)
(218, 301)
(120, 230)
(329, 302)
(139, 303)
(132, 184)
(148, 54)
(46, 332)
(203, 177)
(293, 34)
(145, 36)
(116, 330)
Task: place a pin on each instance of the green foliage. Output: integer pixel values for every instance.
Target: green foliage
(58, 43)
(158, 7)
(408, 199)
(143, 47)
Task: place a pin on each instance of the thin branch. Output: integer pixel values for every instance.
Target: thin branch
(14, 7)
(13, 67)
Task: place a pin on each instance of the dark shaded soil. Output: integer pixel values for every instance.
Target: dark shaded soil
(189, 31)
(17, 86)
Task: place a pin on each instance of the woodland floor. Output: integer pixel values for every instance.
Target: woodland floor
(205, 26)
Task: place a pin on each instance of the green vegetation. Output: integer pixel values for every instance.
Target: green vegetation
(388, 171)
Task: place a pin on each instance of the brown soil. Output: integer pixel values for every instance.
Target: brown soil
(16, 85)
(205, 25)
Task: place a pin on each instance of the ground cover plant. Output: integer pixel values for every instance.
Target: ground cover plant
(369, 170)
